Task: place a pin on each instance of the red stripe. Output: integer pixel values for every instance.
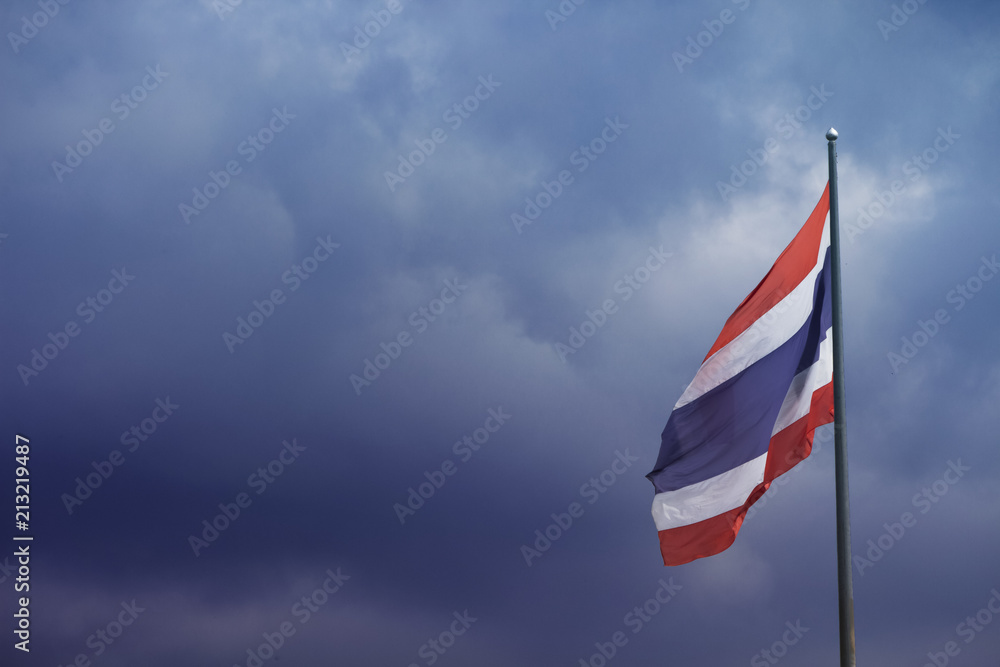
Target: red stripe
(787, 448)
(700, 540)
(792, 266)
(792, 444)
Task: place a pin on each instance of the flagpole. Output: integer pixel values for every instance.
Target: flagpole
(844, 583)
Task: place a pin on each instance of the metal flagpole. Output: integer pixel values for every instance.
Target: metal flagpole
(845, 586)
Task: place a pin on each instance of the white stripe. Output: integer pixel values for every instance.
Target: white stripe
(764, 336)
(798, 400)
(730, 489)
(710, 498)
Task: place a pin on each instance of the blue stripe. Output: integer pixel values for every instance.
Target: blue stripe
(732, 423)
(818, 325)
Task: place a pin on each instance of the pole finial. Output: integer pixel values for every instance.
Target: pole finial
(831, 134)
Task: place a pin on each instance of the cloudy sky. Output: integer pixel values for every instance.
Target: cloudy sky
(293, 297)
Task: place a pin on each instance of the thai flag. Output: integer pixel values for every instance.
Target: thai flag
(750, 412)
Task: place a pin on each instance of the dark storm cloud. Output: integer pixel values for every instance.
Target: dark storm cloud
(509, 98)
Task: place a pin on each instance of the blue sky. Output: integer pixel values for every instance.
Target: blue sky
(265, 269)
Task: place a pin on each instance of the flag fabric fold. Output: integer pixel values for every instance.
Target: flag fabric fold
(749, 414)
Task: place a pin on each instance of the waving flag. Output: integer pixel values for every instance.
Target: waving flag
(750, 412)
